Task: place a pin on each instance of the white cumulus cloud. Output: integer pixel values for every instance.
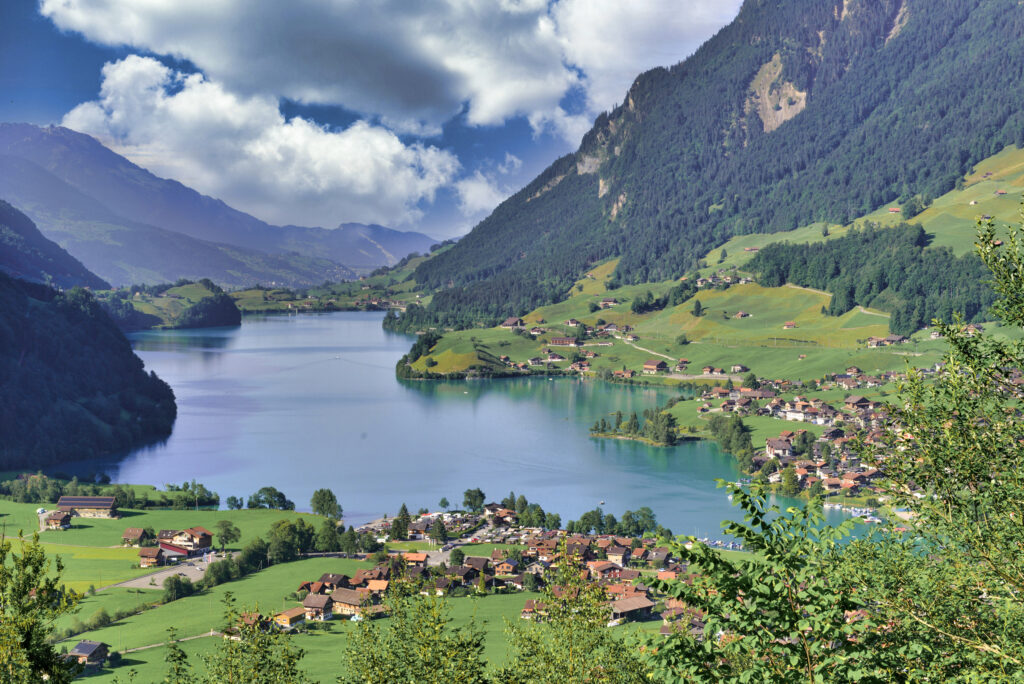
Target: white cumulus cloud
(242, 150)
(414, 65)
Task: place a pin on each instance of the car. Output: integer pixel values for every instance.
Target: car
(40, 511)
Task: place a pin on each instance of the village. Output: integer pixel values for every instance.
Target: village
(522, 559)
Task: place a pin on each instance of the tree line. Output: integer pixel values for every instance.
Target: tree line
(892, 269)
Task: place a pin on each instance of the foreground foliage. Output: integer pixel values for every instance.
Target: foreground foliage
(31, 599)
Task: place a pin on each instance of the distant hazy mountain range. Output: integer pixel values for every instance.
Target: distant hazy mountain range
(127, 225)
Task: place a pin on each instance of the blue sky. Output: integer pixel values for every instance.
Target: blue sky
(419, 116)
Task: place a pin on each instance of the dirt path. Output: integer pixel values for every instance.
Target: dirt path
(681, 376)
(808, 289)
(650, 351)
(204, 635)
(873, 313)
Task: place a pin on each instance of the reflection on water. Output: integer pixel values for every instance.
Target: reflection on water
(304, 402)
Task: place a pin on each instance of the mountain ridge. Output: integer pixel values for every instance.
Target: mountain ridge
(902, 97)
(135, 196)
(26, 254)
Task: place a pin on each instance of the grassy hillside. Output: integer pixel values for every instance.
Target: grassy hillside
(184, 305)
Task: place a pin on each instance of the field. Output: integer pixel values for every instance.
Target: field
(716, 338)
(172, 303)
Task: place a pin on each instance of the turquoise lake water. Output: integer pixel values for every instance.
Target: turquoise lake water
(310, 401)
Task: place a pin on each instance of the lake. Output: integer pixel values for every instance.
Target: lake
(310, 401)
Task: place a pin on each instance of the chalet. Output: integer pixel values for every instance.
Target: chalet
(623, 373)
(604, 569)
(654, 366)
(536, 361)
(611, 327)
(333, 581)
(88, 506)
(894, 210)
(895, 339)
(855, 401)
(133, 536)
(741, 314)
(738, 368)
(572, 323)
(554, 357)
(58, 520)
(707, 370)
(150, 556)
(441, 586)
(290, 619)
(618, 555)
(89, 653)
(507, 567)
(634, 607)
(564, 342)
(531, 608)
(789, 325)
(513, 322)
(345, 601)
(415, 559)
(478, 563)
(172, 553)
(196, 540)
(608, 302)
(377, 587)
(463, 574)
(751, 249)
(776, 448)
(319, 606)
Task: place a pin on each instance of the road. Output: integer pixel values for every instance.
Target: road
(193, 569)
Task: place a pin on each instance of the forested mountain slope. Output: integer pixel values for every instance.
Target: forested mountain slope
(25, 253)
(798, 111)
(70, 386)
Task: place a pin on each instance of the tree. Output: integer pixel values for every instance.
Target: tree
(31, 599)
(959, 435)
(326, 504)
(234, 503)
(473, 500)
(697, 308)
(552, 521)
(781, 618)
(443, 503)
(258, 656)
(179, 671)
(751, 382)
(457, 556)
(176, 587)
(400, 524)
(418, 644)
(521, 503)
(227, 533)
(438, 532)
(682, 340)
(270, 497)
(790, 482)
(327, 537)
(571, 642)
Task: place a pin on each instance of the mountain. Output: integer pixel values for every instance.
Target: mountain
(124, 252)
(70, 386)
(138, 196)
(361, 247)
(798, 111)
(26, 254)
